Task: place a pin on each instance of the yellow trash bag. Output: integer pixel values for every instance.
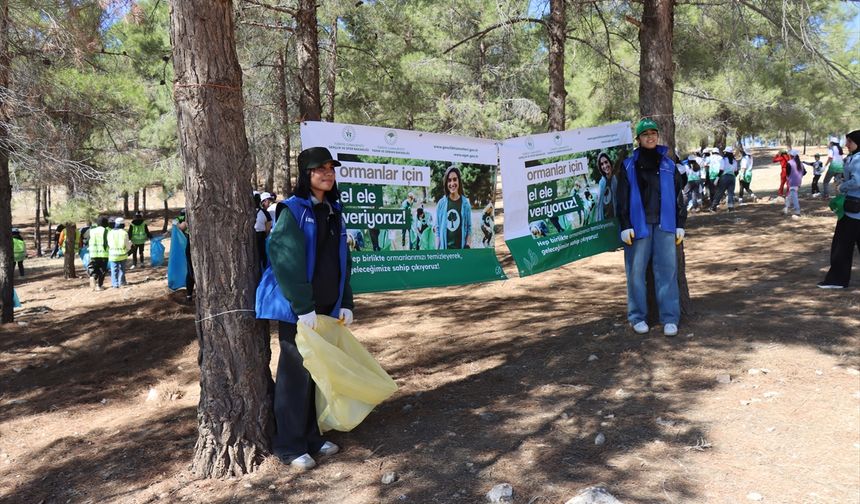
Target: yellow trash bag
(349, 381)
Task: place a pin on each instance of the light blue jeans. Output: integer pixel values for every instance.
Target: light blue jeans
(658, 248)
(117, 273)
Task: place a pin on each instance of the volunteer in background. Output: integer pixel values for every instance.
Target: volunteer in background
(652, 214)
(311, 263)
(139, 233)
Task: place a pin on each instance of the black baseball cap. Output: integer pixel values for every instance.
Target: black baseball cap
(315, 157)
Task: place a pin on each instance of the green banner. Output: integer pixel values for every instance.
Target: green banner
(396, 270)
(534, 255)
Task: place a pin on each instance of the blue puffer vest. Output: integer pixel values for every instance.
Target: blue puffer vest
(667, 186)
(271, 303)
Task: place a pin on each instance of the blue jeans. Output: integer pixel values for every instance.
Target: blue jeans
(117, 273)
(659, 249)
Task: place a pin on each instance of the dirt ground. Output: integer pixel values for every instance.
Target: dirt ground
(496, 384)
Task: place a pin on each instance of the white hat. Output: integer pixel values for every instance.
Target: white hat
(265, 196)
(793, 152)
(119, 221)
(834, 139)
(729, 149)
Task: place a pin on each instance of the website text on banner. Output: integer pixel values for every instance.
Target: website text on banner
(558, 194)
(419, 207)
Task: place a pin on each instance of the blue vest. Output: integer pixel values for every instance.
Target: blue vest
(667, 187)
(271, 303)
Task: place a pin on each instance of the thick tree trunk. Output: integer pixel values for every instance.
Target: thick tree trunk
(6, 259)
(234, 413)
(285, 120)
(656, 88)
(69, 251)
(46, 202)
(331, 80)
(656, 71)
(308, 52)
(557, 91)
(136, 201)
(38, 237)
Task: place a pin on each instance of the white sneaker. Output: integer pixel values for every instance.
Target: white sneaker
(640, 327)
(303, 462)
(670, 330)
(328, 448)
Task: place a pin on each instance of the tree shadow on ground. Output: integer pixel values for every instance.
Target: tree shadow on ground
(63, 370)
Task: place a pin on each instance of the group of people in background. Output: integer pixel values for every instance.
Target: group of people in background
(713, 174)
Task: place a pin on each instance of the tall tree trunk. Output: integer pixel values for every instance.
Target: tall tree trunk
(656, 88)
(7, 263)
(308, 52)
(557, 91)
(270, 175)
(69, 251)
(283, 105)
(234, 413)
(38, 237)
(136, 201)
(656, 71)
(166, 210)
(46, 203)
(331, 81)
(125, 204)
(143, 194)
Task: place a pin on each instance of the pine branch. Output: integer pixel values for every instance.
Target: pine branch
(493, 27)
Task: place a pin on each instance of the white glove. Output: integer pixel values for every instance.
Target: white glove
(627, 236)
(345, 316)
(679, 235)
(309, 319)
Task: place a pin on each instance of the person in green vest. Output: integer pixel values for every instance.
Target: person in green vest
(19, 250)
(139, 233)
(118, 246)
(99, 253)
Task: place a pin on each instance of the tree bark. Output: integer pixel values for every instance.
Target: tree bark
(136, 201)
(331, 81)
(69, 251)
(234, 413)
(125, 204)
(38, 237)
(656, 87)
(166, 210)
(7, 263)
(656, 71)
(285, 120)
(308, 52)
(143, 195)
(557, 92)
(46, 202)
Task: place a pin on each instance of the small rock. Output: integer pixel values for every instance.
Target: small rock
(564, 415)
(770, 395)
(691, 335)
(599, 439)
(17, 369)
(852, 371)
(594, 495)
(724, 378)
(502, 492)
(771, 429)
(819, 372)
(406, 408)
(248, 485)
(665, 423)
(622, 394)
(103, 401)
(487, 416)
(152, 395)
(754, 496)
(592, 358)
(272, 487)
(753, 371)
(389, 478)
(609, 416)
(23, 324)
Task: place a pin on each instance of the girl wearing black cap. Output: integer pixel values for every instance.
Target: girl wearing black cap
(310, 260)
(847, 234)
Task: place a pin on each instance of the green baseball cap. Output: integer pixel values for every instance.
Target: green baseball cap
(645, 125)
